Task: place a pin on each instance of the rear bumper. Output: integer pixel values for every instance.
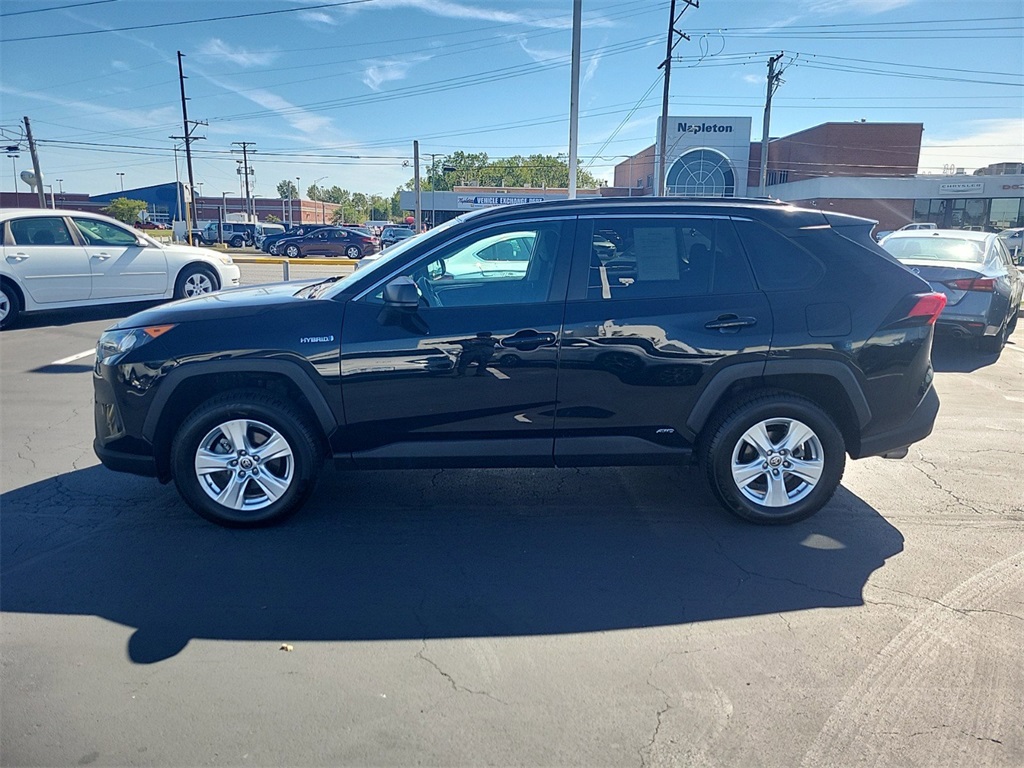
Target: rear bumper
(913, 430)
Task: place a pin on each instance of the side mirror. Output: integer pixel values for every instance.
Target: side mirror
(402, 293)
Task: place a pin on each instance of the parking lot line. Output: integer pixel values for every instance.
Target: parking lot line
(72, 359)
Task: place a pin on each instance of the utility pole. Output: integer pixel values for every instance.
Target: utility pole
(671, 43)
(574, 98)
(190, 210)
(35, 164)
(245, 171)
(416, 183)
(774, 81)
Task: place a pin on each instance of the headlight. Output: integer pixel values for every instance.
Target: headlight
(226, 260)
(115, 343)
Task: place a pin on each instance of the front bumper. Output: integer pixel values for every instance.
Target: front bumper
(119, 461)
(913, 430)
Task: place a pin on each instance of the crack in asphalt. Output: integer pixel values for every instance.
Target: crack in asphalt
(451, 680)
(660, 713)
(954, 609)
(939, 486)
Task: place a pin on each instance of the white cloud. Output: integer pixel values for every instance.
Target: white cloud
(451, 9)
(240, 56)
(978, 144)
(387, 70)
(753, 79)
(318, 17)
(540, 55)
(592, 65)
(857, 6)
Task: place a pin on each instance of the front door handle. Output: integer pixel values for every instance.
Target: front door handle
(528, 340)
(730, 323)
(101, 256)
(20, 256)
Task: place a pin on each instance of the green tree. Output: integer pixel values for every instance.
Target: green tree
(272, 219)
(125, 210)
(477, 169)
(287, 190)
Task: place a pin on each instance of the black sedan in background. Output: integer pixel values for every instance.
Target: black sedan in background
(392, 235)
(976, 272)
(269, 244)
(329, 241)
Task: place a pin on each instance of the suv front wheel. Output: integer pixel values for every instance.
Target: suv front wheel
(245, 459)
(774, 458)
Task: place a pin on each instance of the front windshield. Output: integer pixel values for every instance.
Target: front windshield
(936, 249)
(380, 264)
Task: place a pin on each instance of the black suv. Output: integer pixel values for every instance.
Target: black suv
(766, 341)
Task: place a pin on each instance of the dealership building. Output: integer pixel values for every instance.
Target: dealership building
(861, 168)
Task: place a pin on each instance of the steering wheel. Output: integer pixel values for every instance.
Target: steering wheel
(427, 292)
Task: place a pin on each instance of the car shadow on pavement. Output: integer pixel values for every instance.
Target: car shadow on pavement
(956, 356)
(422, 555)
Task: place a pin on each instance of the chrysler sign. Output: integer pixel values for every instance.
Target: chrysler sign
(962, 188)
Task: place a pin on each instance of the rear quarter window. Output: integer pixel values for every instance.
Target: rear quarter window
(779, 263)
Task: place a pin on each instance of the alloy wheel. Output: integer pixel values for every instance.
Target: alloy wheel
(777, 462)
(244, 464)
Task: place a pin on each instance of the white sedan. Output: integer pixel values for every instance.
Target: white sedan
(64, 259)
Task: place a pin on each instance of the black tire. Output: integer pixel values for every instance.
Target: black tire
(195, 280)
(293, 251)
(993, 345)
(353, 252)
(788, 495)
(10, 305)
(237, 241)
(251, 501)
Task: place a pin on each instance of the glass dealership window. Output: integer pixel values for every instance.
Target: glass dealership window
(701, 173)
(1006, 213)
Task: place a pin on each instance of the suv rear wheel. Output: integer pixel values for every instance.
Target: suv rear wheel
(245, 459)
(774, 458)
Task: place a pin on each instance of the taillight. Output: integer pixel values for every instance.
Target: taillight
(928, 307)
(987, 284)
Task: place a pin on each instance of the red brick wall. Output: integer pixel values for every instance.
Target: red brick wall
(637, 168)
(848, 149)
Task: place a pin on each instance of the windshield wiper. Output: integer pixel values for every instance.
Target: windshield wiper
(313, 291)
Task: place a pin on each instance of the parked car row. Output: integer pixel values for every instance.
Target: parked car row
(977, 274)
(55, 259)
(322, 240)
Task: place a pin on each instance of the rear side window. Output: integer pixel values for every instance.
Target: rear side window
(41, 230)
(779, 263)
(665, 258)
(100, 233)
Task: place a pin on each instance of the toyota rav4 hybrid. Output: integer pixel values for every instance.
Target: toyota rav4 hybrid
(764, 341)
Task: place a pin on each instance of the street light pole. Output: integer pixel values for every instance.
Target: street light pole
(120, 176)
(298, 192)
(323, 208)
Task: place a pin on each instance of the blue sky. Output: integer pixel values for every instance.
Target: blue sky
(339, 91)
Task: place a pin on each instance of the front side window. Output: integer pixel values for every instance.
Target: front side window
(41, 230)
(101, 233)
(665, 258)
(505, 265)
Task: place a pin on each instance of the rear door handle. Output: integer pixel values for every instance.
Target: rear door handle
(528, 340)
(18, 256)
(101, 256)
(730, 323)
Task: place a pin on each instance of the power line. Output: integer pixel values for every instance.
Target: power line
(233, 17)
(55, 8)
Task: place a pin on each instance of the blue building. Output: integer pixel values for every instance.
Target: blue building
(164, 202)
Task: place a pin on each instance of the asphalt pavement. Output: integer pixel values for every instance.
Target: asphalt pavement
(531, 617)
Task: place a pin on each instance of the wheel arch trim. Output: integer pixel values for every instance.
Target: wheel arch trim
(179, 376)
(721, 382)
